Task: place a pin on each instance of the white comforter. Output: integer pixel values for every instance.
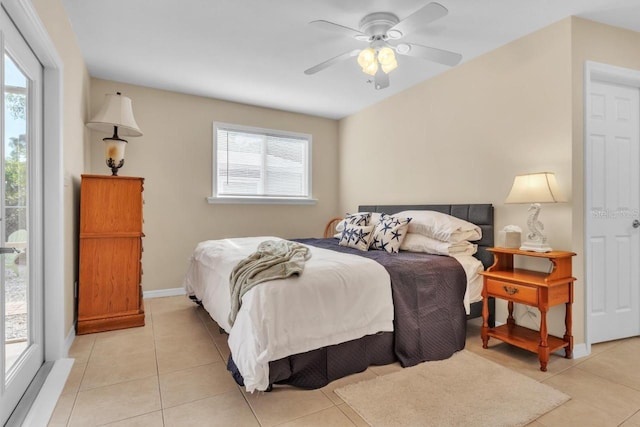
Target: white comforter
(472, 267)
(339, 297)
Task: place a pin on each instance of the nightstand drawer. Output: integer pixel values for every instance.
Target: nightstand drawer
(512, 291)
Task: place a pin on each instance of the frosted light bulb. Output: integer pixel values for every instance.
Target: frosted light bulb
(386, 56)
(366, 57)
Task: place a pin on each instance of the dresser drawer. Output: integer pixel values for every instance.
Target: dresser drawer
(512, 291)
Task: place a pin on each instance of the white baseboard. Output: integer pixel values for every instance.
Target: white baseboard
(46, 400)
(579, 350)
(68, 341)
(164, 293)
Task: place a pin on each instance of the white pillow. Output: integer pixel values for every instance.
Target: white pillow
(440, 226)
(358, 237)
(420, 243)
(389, 233)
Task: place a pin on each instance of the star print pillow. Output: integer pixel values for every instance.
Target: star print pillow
(389, 233)
(357, 236)
(359, 218)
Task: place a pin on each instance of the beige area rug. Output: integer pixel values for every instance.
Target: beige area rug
(464, 390)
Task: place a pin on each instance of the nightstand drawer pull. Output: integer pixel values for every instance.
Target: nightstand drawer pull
(510, 290)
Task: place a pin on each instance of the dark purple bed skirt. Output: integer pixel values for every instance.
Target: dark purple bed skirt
(317, 368)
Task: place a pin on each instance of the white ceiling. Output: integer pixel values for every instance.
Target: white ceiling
(255, 51)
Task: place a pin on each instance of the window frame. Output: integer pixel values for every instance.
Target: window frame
(260, 199)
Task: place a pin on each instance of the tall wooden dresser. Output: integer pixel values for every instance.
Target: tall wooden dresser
(109, 293)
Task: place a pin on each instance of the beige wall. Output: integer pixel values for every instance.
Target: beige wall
(75, 135)
(461, 138)
(175, 157)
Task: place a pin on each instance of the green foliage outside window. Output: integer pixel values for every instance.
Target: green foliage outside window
(15, 165)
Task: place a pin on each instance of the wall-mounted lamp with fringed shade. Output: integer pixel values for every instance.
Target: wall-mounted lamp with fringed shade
(116, 115)
(535, 188)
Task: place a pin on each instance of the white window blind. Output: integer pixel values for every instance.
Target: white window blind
(253, 162)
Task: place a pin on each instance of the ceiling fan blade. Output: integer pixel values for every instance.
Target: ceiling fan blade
(381, 79)
(441, 56)
(329, 62)
(419, 18)
(337, 28)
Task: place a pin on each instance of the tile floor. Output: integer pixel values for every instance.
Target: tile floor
(172, 372)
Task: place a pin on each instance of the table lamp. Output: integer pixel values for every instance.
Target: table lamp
(535, 188)
(115, 115)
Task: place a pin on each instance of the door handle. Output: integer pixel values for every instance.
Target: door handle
(635, 223)
(9, 251)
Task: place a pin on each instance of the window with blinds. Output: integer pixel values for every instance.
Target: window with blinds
(261, 163)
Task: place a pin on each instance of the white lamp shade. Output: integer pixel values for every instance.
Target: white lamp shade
(367, 60)
(540, 187)
(390, 66)
(366, 57)
(116, 111)
(386, 56)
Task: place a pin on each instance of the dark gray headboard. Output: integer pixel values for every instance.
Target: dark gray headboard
(479, 214)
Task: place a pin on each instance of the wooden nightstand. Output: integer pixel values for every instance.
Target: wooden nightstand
(537, 289)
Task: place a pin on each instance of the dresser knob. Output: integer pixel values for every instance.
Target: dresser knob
(510, 290)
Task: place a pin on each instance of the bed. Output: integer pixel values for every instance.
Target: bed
(427, 322)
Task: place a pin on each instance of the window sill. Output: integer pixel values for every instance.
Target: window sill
(260, 201)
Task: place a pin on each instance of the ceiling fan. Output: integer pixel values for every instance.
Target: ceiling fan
(381, 30)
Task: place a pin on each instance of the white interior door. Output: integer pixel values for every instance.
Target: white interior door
(612, 175)
(21, 205)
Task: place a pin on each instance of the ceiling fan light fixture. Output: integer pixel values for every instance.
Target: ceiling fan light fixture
(368, 61)
(386, 56)
(387, 59)
(371, 69)
(389, 67)
(366, 57)
(382, 30)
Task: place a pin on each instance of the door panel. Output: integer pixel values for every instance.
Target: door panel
(613, 203)
(20, 217)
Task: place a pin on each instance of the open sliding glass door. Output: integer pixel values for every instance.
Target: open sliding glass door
(21, 204)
